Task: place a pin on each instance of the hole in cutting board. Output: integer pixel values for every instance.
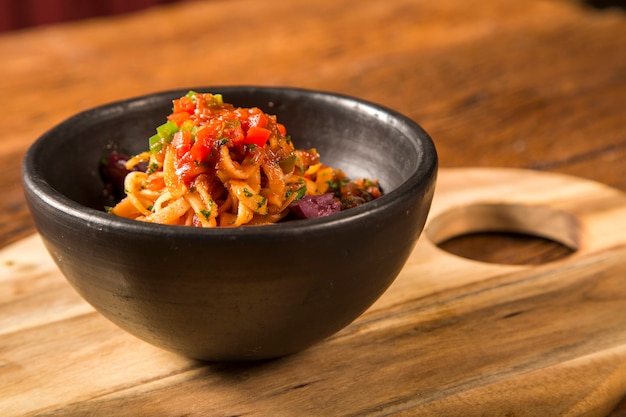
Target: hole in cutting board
(506, 248)
(506, 233)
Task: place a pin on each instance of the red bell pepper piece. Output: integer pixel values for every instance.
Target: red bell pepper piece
(257, 136)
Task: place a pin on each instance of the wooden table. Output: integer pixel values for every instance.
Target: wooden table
(534, 84)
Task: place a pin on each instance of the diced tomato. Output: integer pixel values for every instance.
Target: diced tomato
(203, 106)
(281, 128)
(206, 134)
(182, 143)
(257, 118)
(181, 138)
(179, 118)
(236, 135)
(201, 149)
(184, 104)
(257, 136)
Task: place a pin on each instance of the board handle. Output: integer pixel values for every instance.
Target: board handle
(585, 216)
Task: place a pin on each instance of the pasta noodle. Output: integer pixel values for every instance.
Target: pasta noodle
(215, 165)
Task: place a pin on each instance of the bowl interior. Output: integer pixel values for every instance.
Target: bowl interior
(360, 138)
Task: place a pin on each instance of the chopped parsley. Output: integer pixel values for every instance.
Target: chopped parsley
(206, 214)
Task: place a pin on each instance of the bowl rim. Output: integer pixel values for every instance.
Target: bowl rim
(424, 173)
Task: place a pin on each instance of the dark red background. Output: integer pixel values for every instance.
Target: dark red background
(17, 14)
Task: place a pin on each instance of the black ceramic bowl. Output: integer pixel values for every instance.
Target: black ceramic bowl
(234, 293)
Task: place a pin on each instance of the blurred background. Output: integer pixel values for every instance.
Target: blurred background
(19, 14)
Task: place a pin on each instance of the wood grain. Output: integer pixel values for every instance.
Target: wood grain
(537, 84)
(450, 337)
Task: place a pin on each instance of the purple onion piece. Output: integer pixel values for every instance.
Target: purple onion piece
(312, 206)
(113, 171)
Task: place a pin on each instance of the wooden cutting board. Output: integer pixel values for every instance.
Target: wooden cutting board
(451, 337)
